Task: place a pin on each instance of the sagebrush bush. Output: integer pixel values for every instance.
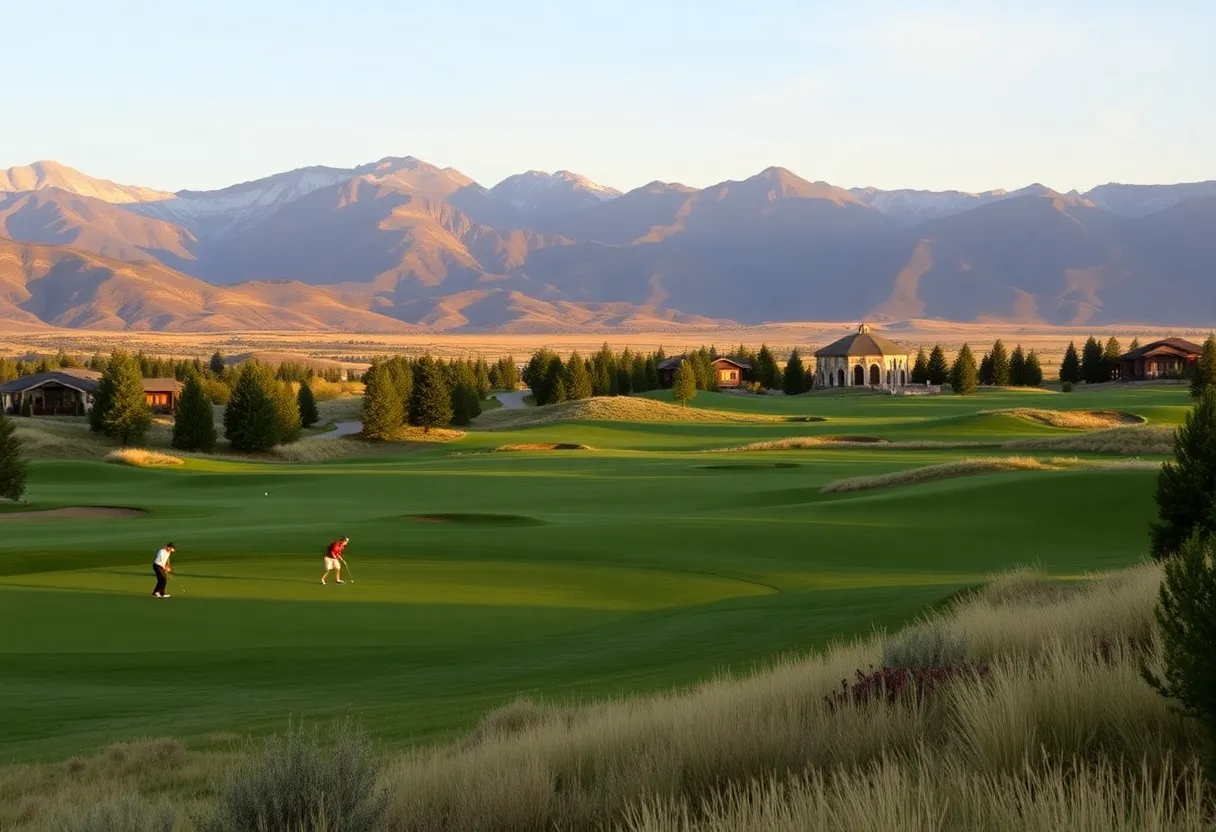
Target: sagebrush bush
(303, 781)
(125, 813)
(925, 646)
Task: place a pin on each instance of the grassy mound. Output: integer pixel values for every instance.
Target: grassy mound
(1144, 440)
(465, 518)
(612, 409)
(142, 458)
(543, 446)
(1072, 419)
(977, 465)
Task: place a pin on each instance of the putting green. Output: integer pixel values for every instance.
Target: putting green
(636, 566)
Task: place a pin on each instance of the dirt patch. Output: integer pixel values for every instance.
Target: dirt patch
(1073, 419)
(75, 513)
(543, 446)
(476, 519)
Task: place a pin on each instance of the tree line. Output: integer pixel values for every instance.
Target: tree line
(429, 392)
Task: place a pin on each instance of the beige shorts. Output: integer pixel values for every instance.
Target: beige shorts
(332, 563)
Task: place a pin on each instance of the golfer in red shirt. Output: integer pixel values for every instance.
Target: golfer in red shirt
(333, 560)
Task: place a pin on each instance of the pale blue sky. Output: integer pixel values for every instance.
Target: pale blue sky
(894, 93)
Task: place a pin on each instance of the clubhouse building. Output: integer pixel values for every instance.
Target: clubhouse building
(1168, 358)
(732, 372)
(863, 359)
(69, 392)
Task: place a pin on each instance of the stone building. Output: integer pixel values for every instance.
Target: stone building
(863, 359)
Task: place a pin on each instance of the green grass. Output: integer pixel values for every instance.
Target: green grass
(637, 566)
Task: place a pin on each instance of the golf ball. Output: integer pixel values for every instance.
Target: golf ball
(267, 493)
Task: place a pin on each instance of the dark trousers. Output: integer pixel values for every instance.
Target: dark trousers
(162, 577)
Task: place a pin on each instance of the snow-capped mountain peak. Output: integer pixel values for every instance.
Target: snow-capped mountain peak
(538, 191)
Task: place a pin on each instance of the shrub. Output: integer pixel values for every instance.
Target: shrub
(124, 813)
(894, 685)
(298, 782)
(1066, 387)
(929, 645)
(1186, 620)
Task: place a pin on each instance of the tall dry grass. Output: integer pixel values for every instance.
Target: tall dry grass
(979, 465)
(1051, 703)
(1144, 440)
(142, 458)
(1072, 419)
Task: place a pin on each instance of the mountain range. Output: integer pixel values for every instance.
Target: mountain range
(401, 245)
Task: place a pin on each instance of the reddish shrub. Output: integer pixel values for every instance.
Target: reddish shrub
(892, 685)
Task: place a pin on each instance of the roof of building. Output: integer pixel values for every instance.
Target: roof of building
(83, 380)
(674, 362)
(1176, 345)
(861, 342)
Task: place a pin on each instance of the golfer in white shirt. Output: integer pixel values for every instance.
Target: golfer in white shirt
(160, 566)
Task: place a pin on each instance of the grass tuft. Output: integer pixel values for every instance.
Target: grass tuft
(1072, 419)
(142, 458)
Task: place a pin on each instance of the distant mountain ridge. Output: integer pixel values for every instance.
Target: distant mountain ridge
(400, 243)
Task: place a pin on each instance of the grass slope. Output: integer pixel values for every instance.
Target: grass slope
(632, 567)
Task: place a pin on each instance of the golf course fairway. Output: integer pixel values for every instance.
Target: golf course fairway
(642, 563)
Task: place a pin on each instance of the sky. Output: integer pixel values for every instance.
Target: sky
(929, 94)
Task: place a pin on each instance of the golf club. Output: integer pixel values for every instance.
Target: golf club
(346, 566)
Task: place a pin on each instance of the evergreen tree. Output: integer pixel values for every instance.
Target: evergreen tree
(1032, 375)
(1070, 367)
(194, 421)
(1186, 487)
(624, 373)
(252, 419)
(684, 389)
(603, 373)
(986, 376)
(794, 380)
(307, 402)
(508, 375)
(120, 408)
(939, 371)
(287, 413)
(401, 375)
(12, 461)
(482, 371)
(432, 398)
(577, 382)
(1001, 373)
(1186, 627)
(652, 372)
(466, 404)
(1134, 345)
(964, 376)
(640, 383)
(1110, 359)
(1017, 367)
(383, 410)
(920, 368)
(1203, 376)
(1093, 366)
(216, 364)
(766, 369)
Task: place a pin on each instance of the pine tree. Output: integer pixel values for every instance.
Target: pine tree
(1110, 359)
(383, 410)
(216, 365)
(309, 415)
(652, 372)
(939, 371)
(575, 379)
(1000, 364)
(401, 376)
(603, 372)
(194, 421)
(482, 371)
(432, 398)
(1203, 375)
(466, 404)
(1134, 345)
(287, 413)
(508, 376)
(1186, 627)
(1092, 365)
(684, 389)
(1186, 487)
(1017, 367)
(794, 380)
(964, 376)
(920, 369)
(251, 419)
(986, 376)
(120, 408)
(1032, 375)
(767, 373)
(1070, 367)
(640, 383)
(12, 461)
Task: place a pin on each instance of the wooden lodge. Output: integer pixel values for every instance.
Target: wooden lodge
(69, 392)
(731, 372)
(1168, 358)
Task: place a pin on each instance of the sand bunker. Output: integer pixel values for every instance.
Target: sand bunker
(75, 513)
